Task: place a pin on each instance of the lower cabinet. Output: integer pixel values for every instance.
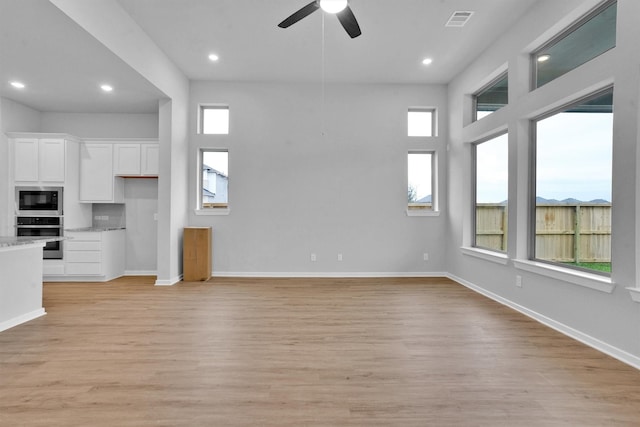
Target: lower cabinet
(94, 255)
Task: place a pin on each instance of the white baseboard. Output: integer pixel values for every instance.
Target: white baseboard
(7, 324)
(306, 274)
(169, 282)
(595, 343)
(140, 273)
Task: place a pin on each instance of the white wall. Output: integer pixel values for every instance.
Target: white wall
(297, 186)
(141, 204)
(608, 320)
(87, 125)
(14, 117)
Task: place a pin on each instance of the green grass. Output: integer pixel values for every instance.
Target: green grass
(599, 266)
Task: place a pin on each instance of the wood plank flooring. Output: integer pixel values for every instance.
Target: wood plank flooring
(296, 352)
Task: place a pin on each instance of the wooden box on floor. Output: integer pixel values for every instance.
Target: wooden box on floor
(196, 255)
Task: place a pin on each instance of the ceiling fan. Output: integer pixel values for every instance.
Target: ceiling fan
(337, 7)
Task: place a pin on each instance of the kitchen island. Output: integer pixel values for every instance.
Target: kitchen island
(21, 279)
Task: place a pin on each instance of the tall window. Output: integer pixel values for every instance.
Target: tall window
(214, 183)
(421, 122)
(214, 119)
(573, 163)
(491, 192)
(420, 177)
(493, 97)
(590, 37)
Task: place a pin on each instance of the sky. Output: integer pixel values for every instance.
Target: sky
(574, 155)
(219, 160)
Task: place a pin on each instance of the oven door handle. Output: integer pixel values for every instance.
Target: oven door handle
(38, 226)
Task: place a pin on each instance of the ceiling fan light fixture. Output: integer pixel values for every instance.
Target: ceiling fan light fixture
(333, 6)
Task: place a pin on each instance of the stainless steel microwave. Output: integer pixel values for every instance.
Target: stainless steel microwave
(40, 201)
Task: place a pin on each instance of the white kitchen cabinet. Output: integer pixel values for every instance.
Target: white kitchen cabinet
(94, 255)
(135, 159)
(97, 183)
(149, 159)
(39, 160)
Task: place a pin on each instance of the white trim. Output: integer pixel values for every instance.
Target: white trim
(422, 212)
(169, 282)
(310, 274)
(592, 342)
(635, 294)
(581, 278)
(212, 212)
(140, 273)
(21, 319)
(485, 254)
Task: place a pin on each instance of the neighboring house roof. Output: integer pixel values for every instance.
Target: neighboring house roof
(210, 169)
(208, 193)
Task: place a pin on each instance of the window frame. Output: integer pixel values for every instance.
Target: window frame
(222, 209)
(422, 209)
(202, 108)
(531, 241)
(474, 189)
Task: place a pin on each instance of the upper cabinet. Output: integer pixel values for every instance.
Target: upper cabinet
(39, 160)
(105, 164)
(135, 159)
(97, 183)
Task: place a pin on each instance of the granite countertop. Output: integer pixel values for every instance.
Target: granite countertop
(94, 229)
(9, 241)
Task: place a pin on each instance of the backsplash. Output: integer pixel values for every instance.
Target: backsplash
(109, 215)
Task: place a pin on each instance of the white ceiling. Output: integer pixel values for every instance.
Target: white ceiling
(63, 65)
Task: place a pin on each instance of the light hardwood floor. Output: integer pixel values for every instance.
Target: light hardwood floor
(296, 352)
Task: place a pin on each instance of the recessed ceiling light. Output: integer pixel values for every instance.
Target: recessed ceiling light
(333, 6)
(213, 57)
(427, 61)
(106, 88)
(544, 57)
(17, 85)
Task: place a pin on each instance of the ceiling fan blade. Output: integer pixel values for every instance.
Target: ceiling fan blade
(302, 13)
(349, 22)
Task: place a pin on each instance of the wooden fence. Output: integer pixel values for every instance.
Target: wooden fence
(564, 232)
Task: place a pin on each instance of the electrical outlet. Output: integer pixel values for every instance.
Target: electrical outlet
(425, 256)
(519, 281)
(339, 257)
(313, 257)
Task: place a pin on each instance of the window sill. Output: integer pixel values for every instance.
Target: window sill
(635, 294)
(580, 278)
(212, 212)
(485, 254)
(422, 212)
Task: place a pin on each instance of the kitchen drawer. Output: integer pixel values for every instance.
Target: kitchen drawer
(84, 235)
(84, 256)
(76, 245)
(84, 268)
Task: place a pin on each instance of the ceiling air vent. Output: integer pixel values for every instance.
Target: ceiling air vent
(459, 19)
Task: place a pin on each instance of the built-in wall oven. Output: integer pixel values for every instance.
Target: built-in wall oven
(42, 226)
(39, 201)
(39, 214)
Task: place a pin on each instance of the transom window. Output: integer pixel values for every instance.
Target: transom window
(493, 97)
(421, 122)
(214, 120)
(587, 39)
